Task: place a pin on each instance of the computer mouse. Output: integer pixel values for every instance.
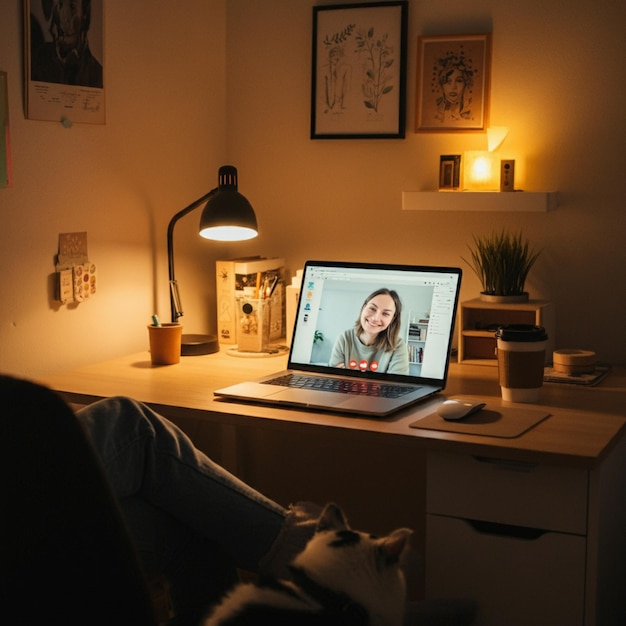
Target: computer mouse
(458, 408)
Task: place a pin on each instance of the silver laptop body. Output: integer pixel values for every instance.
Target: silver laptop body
(332, 296)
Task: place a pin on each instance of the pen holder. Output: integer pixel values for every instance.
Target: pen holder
(165, 343)
(253, 324)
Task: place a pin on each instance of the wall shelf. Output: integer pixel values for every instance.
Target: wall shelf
(526, 201)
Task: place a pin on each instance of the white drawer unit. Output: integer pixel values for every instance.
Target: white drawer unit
(508, 492)
(530, 543)
(516, 577)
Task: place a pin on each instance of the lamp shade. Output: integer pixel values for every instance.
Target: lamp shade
(228, 216)
(495, 136)
(481, 171)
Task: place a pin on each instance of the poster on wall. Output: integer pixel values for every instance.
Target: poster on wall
(64, 45)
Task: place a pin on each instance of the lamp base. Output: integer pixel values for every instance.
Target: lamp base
(194, 345)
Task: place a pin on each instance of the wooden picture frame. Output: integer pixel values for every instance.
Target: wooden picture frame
(359, 71)
(453, 83)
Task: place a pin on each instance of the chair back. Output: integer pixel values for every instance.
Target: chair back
(65, 552)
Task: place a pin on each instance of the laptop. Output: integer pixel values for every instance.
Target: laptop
(332, 297)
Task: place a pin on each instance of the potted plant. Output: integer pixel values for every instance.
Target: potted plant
(502, 262)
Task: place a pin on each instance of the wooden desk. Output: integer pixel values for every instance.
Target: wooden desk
(568, 473)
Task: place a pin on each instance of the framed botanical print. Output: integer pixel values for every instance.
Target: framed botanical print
(359, 71)
(453, 82)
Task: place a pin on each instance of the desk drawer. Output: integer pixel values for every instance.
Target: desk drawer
(520, 494)
(514, 580)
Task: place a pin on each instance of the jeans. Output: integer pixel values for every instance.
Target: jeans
(183, 509)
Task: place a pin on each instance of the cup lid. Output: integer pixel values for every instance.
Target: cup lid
(521, 332)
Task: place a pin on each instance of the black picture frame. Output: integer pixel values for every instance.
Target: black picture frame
(5, 144)
(358, 86)
(449, 171)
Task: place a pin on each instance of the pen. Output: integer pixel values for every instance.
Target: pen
(273, 286)
(155, 320)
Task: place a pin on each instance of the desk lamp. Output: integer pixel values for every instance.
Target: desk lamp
(227, 216)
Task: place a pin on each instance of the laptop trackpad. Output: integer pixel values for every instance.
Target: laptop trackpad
(302, 396)
(333, 401)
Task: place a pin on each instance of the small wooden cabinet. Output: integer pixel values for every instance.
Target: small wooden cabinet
(479, 320)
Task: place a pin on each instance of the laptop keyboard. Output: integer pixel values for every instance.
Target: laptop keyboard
(356, 387)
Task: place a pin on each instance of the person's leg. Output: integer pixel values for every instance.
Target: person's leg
(187, 573)
(146, 456)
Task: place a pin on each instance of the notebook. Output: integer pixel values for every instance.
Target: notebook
(332, 299)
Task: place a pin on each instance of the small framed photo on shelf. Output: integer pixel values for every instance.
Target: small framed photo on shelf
(358, 86)
(449, 172)
(453, 81)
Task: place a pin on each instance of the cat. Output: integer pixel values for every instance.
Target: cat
(341, 578)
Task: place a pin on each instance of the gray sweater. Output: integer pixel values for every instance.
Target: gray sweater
(350, 353)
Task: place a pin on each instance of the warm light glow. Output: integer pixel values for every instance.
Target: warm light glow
(228, 233)
(481, 171)
(495, 136)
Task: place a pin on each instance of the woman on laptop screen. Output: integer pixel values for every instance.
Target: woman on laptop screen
(374, 343)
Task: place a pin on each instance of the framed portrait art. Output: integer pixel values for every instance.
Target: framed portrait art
(359, 71)
(453, 82)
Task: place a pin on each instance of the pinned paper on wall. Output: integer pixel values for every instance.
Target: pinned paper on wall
(64, 61)
(76, 275)
(5, 144)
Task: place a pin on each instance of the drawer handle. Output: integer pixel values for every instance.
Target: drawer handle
(506, 530)
(516, 466)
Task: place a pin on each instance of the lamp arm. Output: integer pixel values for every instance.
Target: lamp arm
(174, 295)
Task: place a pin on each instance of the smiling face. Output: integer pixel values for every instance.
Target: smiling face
(377, 314)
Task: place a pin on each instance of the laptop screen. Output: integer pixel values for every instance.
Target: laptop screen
(376, 321)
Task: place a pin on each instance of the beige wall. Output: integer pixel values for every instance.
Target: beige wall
(557, 69)
(555, 74)
(161, 146)
(228, 81)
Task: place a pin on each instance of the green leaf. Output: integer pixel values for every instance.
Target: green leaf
(502, 262)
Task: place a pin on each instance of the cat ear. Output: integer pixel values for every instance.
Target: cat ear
(332, 518)
(392, 546)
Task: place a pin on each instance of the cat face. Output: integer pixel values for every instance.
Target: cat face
(357, 566)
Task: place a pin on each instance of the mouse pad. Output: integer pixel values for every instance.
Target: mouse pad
(500, 421)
